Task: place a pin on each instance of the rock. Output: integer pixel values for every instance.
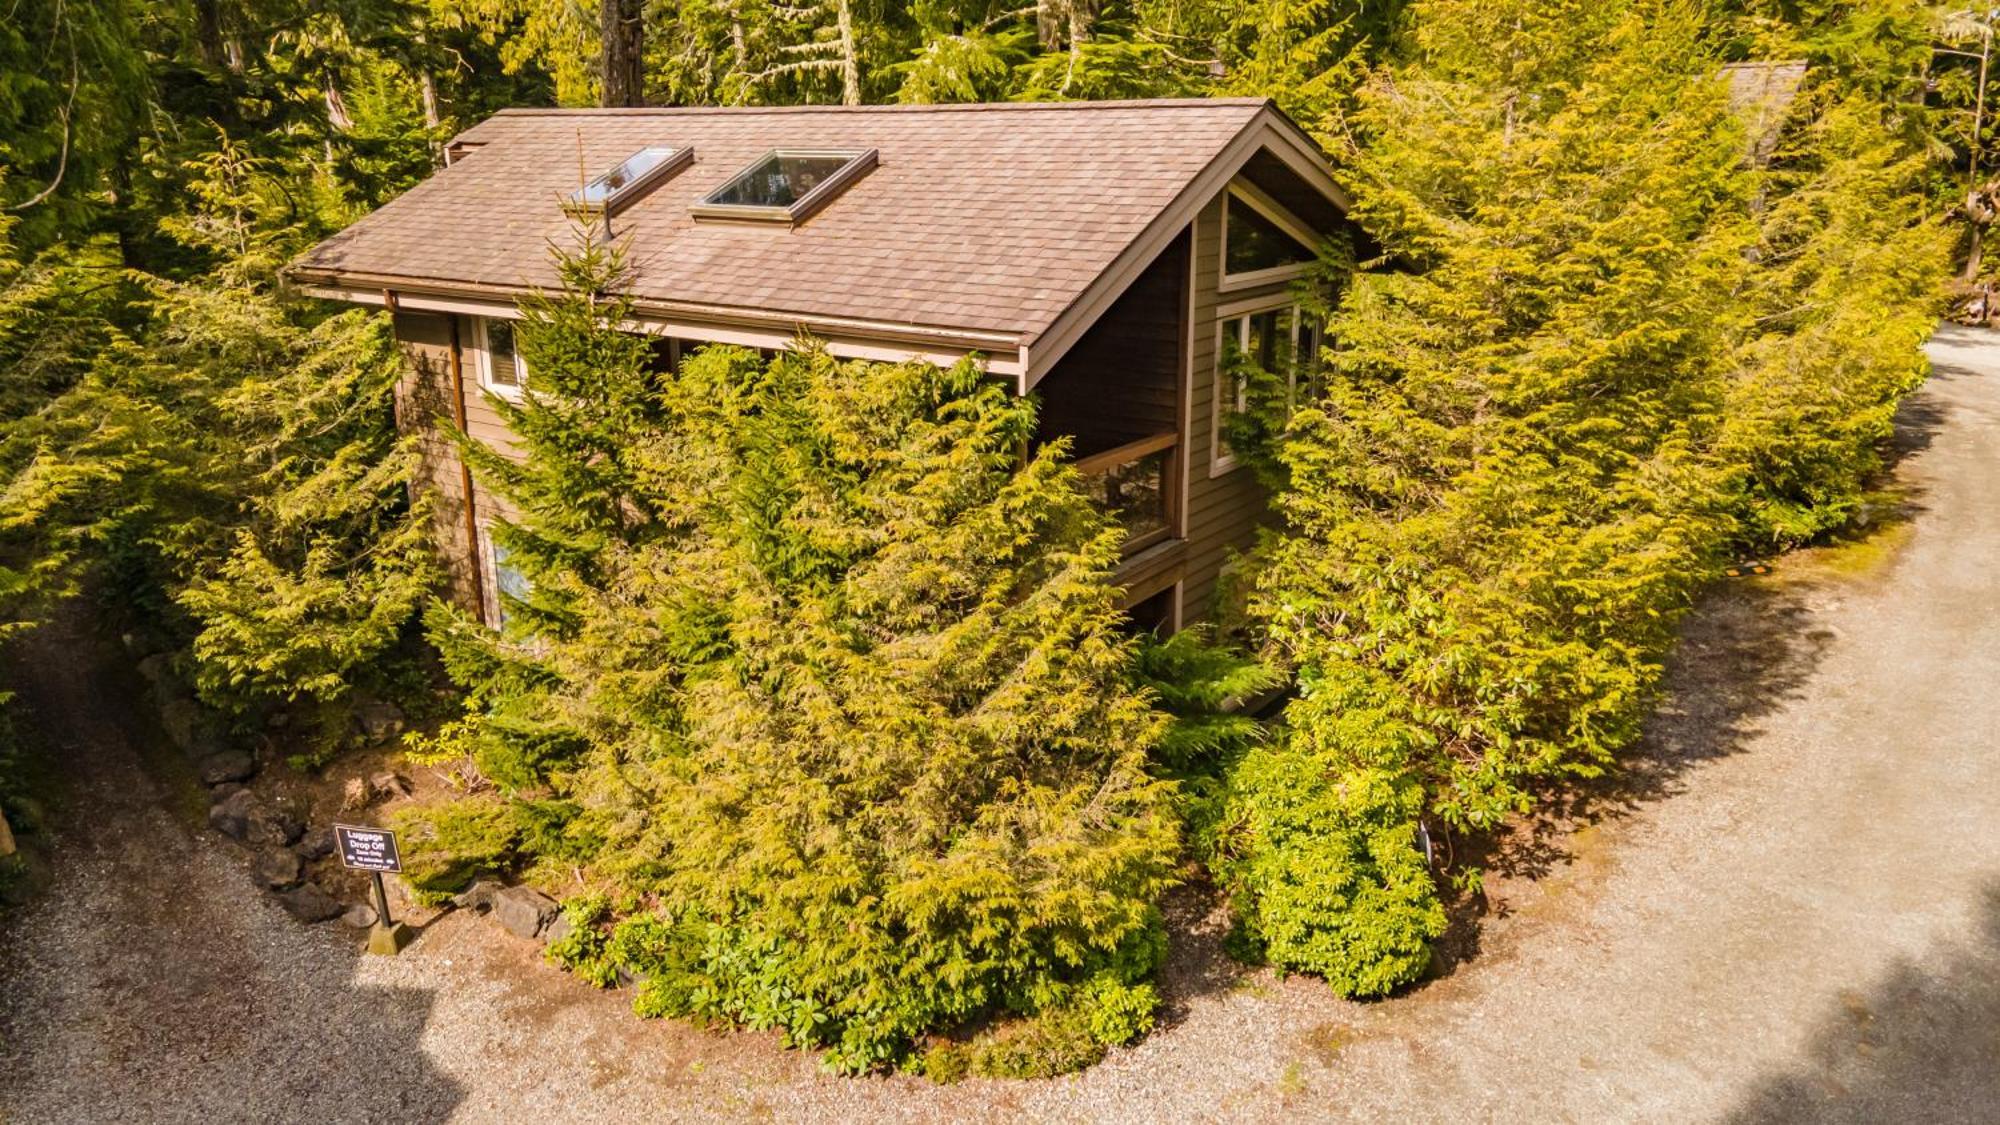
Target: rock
(478, 896)
(231, 815)
(316, 842)
(226, 766)
(360, 916)
(523, 911)
(559, 929)
(378, 721)
(180, 718)
(274, 827)
(220, 793)
(278, 868)
(355, 794)
(390, 784)
(153, 668)
(309, 903)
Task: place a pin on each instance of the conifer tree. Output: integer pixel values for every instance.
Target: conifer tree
(849, 720)
(1848, 289)
(1502, 503)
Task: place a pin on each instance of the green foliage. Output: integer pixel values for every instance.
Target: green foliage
(1849, 292)
(448, 844)
(838, 685)
(1319, 852)
(586, 949)
(1534, 443)
(1067, 1036)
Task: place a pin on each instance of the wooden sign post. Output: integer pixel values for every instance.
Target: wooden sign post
(374, 850)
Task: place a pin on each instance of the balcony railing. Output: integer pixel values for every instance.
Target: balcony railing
(1138, 484)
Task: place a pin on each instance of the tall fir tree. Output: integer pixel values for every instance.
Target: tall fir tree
(1503, 502)
(851, 721)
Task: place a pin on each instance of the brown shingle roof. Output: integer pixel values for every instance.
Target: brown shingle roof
(984, 218)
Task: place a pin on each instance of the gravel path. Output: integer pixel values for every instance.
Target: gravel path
(1787, 909)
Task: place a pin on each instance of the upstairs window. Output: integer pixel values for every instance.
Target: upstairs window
(501, 368)
(1258, 245)
(631, 179)
(1283, 340)
(786, 185)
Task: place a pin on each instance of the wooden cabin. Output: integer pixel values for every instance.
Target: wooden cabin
(1095, 254)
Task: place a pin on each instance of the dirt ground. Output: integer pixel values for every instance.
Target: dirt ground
(1787, 908)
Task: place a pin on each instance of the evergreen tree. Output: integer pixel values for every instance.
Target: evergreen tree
(1848, 290)
(1502, 503)
(850, 723)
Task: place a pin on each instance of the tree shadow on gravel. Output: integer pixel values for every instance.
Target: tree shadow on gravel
(1921, 1044)
(154, 980)
(1749, 647)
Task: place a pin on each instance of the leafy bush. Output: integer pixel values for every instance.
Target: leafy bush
(1069, 1035)
(1320, 856)
(448, 844)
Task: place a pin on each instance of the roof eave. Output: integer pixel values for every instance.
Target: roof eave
(726, 324)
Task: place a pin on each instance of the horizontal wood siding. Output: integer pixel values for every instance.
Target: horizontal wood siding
(423, 397)
(1121, 381)
(1224, 512)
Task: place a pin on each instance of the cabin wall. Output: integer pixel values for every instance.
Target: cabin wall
(1223, 509)
(1122, 380)
(423, 398)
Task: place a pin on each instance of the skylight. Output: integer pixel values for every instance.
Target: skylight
(786, 185)
(630, 180)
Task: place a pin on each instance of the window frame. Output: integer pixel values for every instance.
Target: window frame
(1221, 459)
(636, 188)
(514, 392)
(494, 611)
(1249, 196)
(859, 163)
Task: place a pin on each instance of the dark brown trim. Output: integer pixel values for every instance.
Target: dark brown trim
(1150, 571)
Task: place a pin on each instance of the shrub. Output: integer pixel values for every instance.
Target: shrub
(448, 844)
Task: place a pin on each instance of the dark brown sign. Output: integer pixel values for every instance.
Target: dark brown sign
(367, 849)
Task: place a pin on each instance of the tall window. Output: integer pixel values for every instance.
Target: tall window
(501, 368)
(1283, 340)
(504, 580)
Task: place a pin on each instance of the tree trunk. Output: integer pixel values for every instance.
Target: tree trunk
(622, 27)
(208, 31)
(6, 836)
(850, 61)
(1972, 262)
(336, 106)
(427, 83)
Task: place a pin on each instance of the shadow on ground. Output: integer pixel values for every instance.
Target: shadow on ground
(1922, 1044)
(154, 980)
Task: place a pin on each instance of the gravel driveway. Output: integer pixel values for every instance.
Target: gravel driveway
(1787, 909)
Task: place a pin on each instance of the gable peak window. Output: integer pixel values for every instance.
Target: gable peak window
(1257, 243)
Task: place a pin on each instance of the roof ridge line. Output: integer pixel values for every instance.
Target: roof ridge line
(945, 107)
